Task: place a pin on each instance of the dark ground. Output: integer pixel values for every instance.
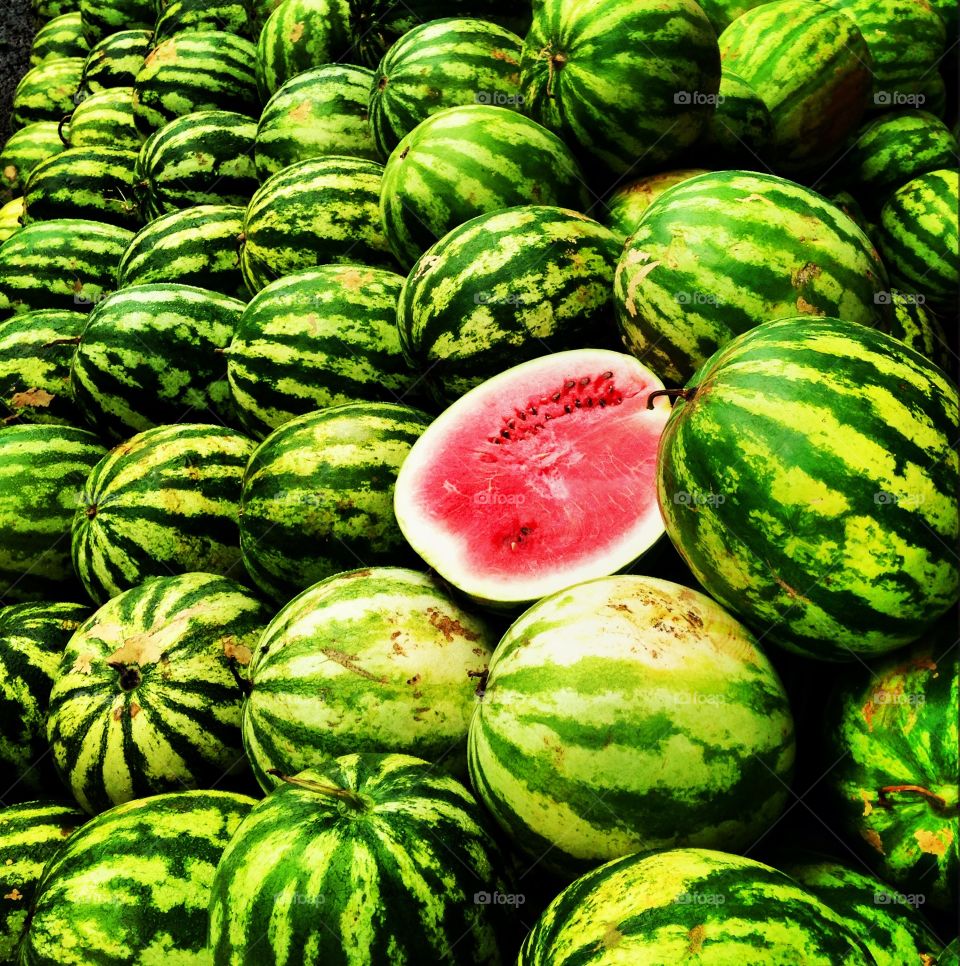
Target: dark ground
(17, 28)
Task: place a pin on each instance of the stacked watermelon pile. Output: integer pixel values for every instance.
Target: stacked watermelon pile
(478, 484)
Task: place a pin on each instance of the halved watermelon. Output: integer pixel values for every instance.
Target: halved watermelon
(539, 478)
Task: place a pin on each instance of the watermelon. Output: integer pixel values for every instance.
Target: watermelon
(465, 161)
(10, 215)
(42, 469)
(811, 67)
(918, 236)
(508, 508)
(819, 488)
(893, 930)
(380, 660)
(384, 842)
(316, 212)
(740, 131)
(23, 151)
(47, 92)
(151, 354)
(116, 60)
(104, 17)
(298, 35)
(319, 338)
(506, 287)
(204, 158)
(135, 882)
(720, 253)
(32, 638)
(722, 13)
(691, 749)
(35, 353)
(896, 148)
(206, 70)
(196, 246)
(169, 648)
(947, 11)
(318, 495)
(693, 905)
(625, 206)
(321, 111)
(31, 834)
(93, 183)
(48, 9)
(629, 86)
(104, 120)
(440, 64)
(906, 40)
(182, 16)
(65, 263)
(913, 323)
(60, 37)
(165, 502)
(894, 738)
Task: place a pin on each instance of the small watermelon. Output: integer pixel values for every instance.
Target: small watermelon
(23, 151)
(115, 61)
(60, 37)
(183, 16)
(103, 17)
(626, 205)
(47, 92)
(104, 120)
(740, 131)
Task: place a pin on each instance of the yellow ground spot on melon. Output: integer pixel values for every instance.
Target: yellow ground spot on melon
(239, 652)
(14, 894)
(612, 937)
(10, 172)
(83, 663)
(934, 843)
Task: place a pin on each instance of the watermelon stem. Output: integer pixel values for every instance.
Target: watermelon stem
(245, 684)
(685, 394)
(883, 801)
(481, 689)
(130, 677)
(75, 340)
(344, 794)
(64, 120)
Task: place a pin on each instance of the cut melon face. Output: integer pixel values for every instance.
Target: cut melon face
(540, 478)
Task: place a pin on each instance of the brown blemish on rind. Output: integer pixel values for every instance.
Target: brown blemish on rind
(934, 843)
(345, 661)
(696, 936)
(449, 626)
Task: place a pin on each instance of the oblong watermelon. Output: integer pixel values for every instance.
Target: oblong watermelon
(102, 17)
(818, 487)
(104, 119)
(23, 151)
(116, 60)
(60, 37)
(181, 16)
(516, 490)
(740, 131)
(170, 650)
(47, 92)
(318, 495)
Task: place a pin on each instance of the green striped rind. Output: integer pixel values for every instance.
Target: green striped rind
(46, 92)
(321, 111)
(204, 158)
(818, 448)
(42, 471)
(319, 338)
(60, 37)
(897, 725)
(947, 11)
(911, 322)
(696, 750)
(61, 264)
(104, 120)
(918, 236)
(404, 871)
(893, 930)
(23, 151)
(32, 637)
(624, 208)
(718, 254)
(137, 883)
(116, 60)
(35, 353)
(318, 495)
(689, 905)
(376, 660)
(299, 35)
(951, 955)
(48, 9)
(316, 212)
(740, 131)
(182, 16)
(151, 354)
(811, 67)
(165, 502)
(933, 94)
(206, 70)
(466, 161)
(10, 215)
(175, 644)
(92, 183)
(906, 39)
(31, 834)
(104, 17)
(443, 63)
(196, 246)
(854, 211)
(506, 287)
(896, 148)
(628, 86)
(722, 13)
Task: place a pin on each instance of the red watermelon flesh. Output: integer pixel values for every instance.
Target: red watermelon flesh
(539, 478)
